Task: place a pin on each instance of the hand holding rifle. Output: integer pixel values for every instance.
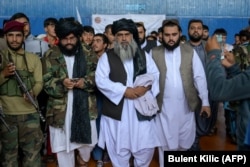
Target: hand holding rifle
(9, 70)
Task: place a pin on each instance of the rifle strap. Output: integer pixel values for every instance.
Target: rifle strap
(25, 61)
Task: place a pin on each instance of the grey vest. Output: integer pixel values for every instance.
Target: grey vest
(186, 71)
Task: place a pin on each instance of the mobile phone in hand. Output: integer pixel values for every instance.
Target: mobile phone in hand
(220, 41)
(204, 114)
(74, 79)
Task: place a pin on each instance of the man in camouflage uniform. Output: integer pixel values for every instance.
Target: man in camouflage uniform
(69, 81)
(20, 114)
(242, 58)
(242, 51)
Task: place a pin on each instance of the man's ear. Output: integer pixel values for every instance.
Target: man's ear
(105, 45)
(46, 29)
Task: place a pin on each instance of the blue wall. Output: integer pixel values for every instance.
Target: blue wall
(232, 15)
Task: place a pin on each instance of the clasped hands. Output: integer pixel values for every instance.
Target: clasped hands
(73, 83)
(133, 93)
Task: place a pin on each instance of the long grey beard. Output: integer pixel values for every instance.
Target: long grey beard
(125, 52)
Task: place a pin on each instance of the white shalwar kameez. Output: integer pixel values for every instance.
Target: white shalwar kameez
(60, 138)
(176, 122)
(128, 135)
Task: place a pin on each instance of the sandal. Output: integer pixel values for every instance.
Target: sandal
(80, 162)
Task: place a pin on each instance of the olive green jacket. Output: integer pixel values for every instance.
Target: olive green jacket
(11, 95)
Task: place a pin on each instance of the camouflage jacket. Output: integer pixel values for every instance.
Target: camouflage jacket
(54, 72)
(242, 55)
(242, 58)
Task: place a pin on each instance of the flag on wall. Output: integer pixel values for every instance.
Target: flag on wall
(78, 16)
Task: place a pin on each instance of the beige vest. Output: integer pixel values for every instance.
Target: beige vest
(186, 71)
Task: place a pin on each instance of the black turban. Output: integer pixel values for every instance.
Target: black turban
(66, 27)
(127, 25)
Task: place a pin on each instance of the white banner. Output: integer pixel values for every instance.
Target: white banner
(151, 22)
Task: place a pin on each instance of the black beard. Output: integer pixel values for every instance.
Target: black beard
(142, 41)
(14, 49)
(169, 47)
(194, 39)
(68, 52)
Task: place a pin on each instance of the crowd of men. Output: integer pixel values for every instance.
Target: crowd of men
(119, 92)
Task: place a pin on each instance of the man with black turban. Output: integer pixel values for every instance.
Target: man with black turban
(126, 130)
(69, 82)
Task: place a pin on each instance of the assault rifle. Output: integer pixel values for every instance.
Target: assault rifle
(3, 121)
(28, 95)
(24, 89)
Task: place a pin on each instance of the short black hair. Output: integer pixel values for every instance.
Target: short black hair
(89, 29)
(104, 38)
(194, 21)
(140, 24)
(151, 36)
(159, 29)
(205, 27)
(237, 34)
(19, 15)
(109, 26)
(245, 33)
(50, 20)
(154, 32)
(221, 31)
(170, 23)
